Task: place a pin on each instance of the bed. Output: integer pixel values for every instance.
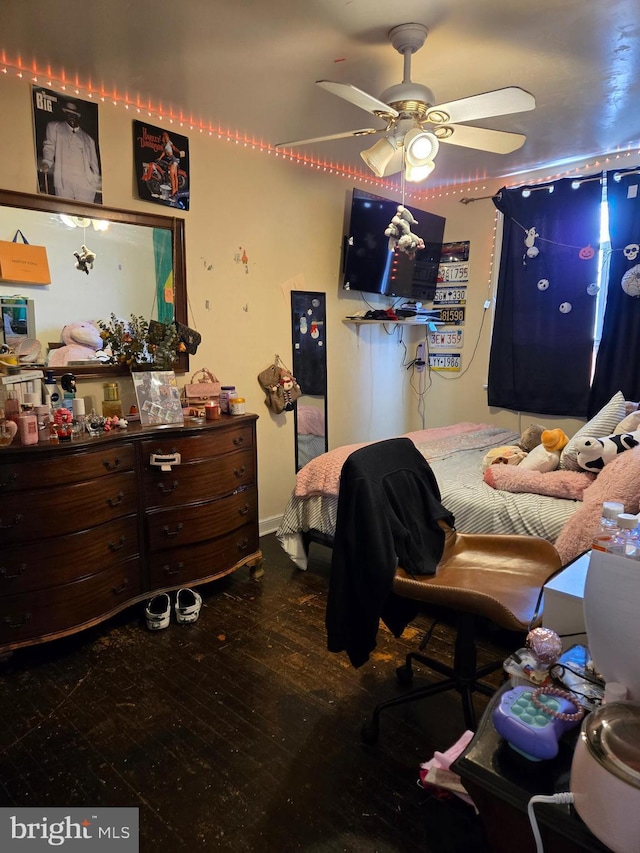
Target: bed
(455, 454)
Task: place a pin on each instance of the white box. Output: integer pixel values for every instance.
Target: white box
(563, 610)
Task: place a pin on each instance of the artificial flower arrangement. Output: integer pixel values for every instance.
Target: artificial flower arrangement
(138, 341)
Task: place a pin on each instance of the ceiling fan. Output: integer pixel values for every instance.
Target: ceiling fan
(415, 127)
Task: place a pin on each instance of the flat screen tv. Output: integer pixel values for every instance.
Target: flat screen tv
(369, 265)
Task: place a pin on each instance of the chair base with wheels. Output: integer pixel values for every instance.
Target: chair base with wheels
(497, 578)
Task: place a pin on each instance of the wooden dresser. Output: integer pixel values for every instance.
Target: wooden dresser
(90, 527)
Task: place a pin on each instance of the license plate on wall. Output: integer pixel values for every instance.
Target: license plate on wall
(453, 315)
(449, 338)
(450, 295)
(445, 361)
(453, 272)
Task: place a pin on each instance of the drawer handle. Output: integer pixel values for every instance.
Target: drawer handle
(117, 500)
(16, 521)
(169, 571)
(7, 577)
(118, 590)
(242, 544)
(117, 546)
(238, 440)
(169, 532)
(240, 472)
(167, 491)
(111, 466)
(18, 623)
(245, 509)
(8, 483)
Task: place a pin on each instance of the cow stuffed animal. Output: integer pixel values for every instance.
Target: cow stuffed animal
(595, 453)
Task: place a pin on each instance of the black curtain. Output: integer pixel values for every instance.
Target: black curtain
(541, 352)
(618, 365)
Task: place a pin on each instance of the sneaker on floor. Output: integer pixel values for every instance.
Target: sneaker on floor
(158, 612)
(187, 606)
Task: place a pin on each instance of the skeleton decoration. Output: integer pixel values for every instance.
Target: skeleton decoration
(631, 251)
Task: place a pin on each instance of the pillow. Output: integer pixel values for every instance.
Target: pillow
(629, 424)
(602, 423)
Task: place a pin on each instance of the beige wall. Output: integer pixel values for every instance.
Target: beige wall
(289, 219)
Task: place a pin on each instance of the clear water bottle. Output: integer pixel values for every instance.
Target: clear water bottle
(625, 542)
(608, 525)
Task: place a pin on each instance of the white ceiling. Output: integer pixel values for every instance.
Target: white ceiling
(251, 65)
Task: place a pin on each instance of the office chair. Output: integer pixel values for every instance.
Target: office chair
(396, 548)
(480, 576)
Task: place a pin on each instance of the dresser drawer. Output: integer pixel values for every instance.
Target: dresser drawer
(199, 481)
(65, 608)
(31, 566)
(55, 512)
(206, 560)
(63, 467)
(174, 528)
(195, 448)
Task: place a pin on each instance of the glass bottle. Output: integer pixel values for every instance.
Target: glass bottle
(8, 430)
(625, 542)
(608, 526)
(12, 407)
(28, 427)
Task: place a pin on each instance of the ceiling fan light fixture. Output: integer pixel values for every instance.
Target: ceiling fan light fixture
(379, 156)
(415, 174)
(420, 147)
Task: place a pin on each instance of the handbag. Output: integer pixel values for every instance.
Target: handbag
(23, 262)
(188, 337)
(204, 386)
(280, 387)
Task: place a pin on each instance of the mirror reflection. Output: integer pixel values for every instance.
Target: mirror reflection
(138, 269)
(308, 322)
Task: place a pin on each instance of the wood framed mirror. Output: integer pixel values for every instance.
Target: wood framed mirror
(139, 269)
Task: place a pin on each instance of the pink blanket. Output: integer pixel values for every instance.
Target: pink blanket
(554, 484)
(321, 476)
(310, 420)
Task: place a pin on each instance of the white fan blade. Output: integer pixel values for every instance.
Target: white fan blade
(495, 141)
(356, 96)
(365, 131)
(500, 102)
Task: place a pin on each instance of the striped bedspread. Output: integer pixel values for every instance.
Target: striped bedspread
(455, 455)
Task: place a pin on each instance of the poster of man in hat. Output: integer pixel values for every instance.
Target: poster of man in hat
(67, 150)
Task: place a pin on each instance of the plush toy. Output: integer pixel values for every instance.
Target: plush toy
(81, 341)
(531, 437)
(400, 235)
(280, 386)
(546, 456)
(84, 259)
(509, 454)
(595, 453)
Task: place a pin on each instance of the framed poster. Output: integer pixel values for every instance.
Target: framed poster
(161, 162)
(158, 397)
(67, 148)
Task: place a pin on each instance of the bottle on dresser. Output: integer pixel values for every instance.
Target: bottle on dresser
(608, 525)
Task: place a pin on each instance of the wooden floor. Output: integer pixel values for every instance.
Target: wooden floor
(240, 732)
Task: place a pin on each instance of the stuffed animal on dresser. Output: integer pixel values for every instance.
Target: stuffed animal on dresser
(595, 453)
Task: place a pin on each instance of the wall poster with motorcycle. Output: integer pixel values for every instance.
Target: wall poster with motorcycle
(161, 159)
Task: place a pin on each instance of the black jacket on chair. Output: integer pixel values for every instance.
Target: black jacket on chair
(388, 512)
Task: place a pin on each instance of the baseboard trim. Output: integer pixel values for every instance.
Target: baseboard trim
(269, 525)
